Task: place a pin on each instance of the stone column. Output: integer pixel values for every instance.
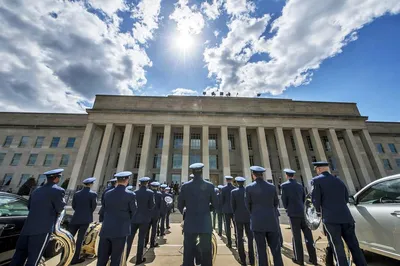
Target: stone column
(165, 153)
(244, 148)
(125, 148)
(103, 155)
(205, 152)
(262, 142)
(317, 145)
(282, 150)
(302, 154)
(341, 160)
(226, 166)
(185, 153)
(81, 156)
(144, 154)
(374, 159)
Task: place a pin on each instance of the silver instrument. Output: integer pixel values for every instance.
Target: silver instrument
(313, 220)
(168, 200)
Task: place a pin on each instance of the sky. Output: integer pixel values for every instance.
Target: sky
(57, 55)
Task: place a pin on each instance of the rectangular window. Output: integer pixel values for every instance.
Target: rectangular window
(157, 161)
(64, 160)
(70, 143)
(309, 143)
(24, 178)
(386, 164)
(178, 140)
(297, 162)
(398, 163)
(32, 159)
(39, 142)
(392, 148)
(213, 160)
(249, 143)
(23, 142)
(251, 159)
(231, 141)
(54, 142)
(176, 178)
(140, 142)
(156, 177)
(159, 140)
(48, 159)
(41, 180)
(2, 156)
(293, 143)
(379, 148)
(213, 141)
(194, 158)
(7, 179)
(16, 158)
(325, 142)
(195, 141)
(8, 141)
(137, 161)
(177, 161)
(313, 159)
(332, 163)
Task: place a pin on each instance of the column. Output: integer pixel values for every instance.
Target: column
(205, 157)
(262, 142)
(244, 148)
(302, 154)
(144, 154)
(226, 167)
(185, 153)
(342, 165)
(317, 145)
(280, 141)
(125, 148)
(103, 155)
(374, 159)
(81, 156)
(165, 153)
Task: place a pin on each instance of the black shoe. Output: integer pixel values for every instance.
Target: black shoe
(297, 262)
(156, 245)
(80, 260)
(313, 262)
(140, 262)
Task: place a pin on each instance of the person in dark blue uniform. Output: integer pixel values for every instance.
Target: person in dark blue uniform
(141, 219)
(84, 203)
(163, 209)
(152, 230)
(262, 202)
(112, 184)
(214, 211)
(170, 207)
(196, 196)
(227, 209)
(330, 197)
(293, 197)
(242, 221)
(218, 209)
(119, 208)
(45, 205)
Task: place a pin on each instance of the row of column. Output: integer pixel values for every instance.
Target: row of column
(264, 154)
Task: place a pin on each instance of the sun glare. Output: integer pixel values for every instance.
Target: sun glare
(184, 42)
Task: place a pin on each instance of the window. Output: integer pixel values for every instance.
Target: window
(24, 178)
(309, 143)
(156, 177)
(379, 148)
(2, 156)
(140, 142)
(313, 159)
(23, 142)
(325, 142)
(159, 140)
(11, 206)
(7, 179)
(194, 158)
(251, 159)
(32, 159)
(48, 159)
(176, 161)
(39, 142)
(213, 160)
(195, 141)
(297, 162)
(293, 143)
(398, 163)
(249, 143)
(41, 180)
(64, 160)
(8, 141)
(383, 192)
(137, 160)
(231, 141)
(332, 163)
(54, 142)
(386, 164)
(157, 161)
(392, 148)
(176, 178)
(178, 140)
(16, 158)
(213, 141)
(71, 143)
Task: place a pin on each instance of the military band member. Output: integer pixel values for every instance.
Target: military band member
(262, 202)
(170, 207)
(196, 196)
(242, 221)
(293, 197)
(112, 184)
(218, 209)
(330, 197)
(227, 208)
(119, 208)
(141, 219)
(45, 205)
(84, 203)
(163, 209)
(152, 230)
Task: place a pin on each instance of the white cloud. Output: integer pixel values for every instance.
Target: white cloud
(108, 6)
(212, 11)
(238, 7)
(147, 13)
(307, 33)
(216, 33)
(184, 92)
(188, 19)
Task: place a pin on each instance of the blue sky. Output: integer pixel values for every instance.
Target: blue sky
(58, 54)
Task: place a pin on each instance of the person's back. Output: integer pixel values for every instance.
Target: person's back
(293, 198)
(84, 204)
(145, 204)
(239, 208)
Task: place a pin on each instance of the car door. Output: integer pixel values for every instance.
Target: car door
(13, 213)
(377, 216)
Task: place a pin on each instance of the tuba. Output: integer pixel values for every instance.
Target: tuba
(168, 200)
(310, 213)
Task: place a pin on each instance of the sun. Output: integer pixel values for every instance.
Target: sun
(184, 42)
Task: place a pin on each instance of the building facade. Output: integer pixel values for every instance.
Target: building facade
(160, 137)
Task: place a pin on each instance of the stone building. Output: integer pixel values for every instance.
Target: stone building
(160, 137)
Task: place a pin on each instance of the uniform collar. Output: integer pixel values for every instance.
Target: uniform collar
(49, 183)
(292, 180)
(229, 184)
(86, 188)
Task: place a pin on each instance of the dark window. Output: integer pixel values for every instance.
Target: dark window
(213, 160)
(137, 160)
(54, 142)
(297, 163)
(313, 159)
(194, 158)
(23, 142)
(309, 143)
(332, 163)
(16, 158)
(231, 141)
(195, 141)
(392, 148)
(379, 148)
(2, 156)
(178, 140)
(386, 164)
(176, 161)
(293, 143)
(325, 142)
(140, 142)
(41, 180)
(398, 163)
(32, 159)
(39, 142)
(70, 143)
(64, 160)
(213, 141)
(159, 140)
(157, 161)
(8, 141)
(249, 143)
(11, 206)
(251, 159)
(383, 192)
(24, 178)
(48, 159)
(7, 179)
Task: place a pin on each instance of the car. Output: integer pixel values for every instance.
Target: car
(13, 213)
(376, 211)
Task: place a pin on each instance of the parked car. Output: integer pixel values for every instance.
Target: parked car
(376, 211)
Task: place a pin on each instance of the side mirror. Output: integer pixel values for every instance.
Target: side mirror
(352, 200)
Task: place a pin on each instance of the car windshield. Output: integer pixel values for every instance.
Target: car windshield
(11, 206)
(384, 192)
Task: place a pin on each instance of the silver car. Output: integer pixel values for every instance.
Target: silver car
(376, 211)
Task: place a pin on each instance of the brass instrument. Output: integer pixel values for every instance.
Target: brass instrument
(168, 200)
(310, 213)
